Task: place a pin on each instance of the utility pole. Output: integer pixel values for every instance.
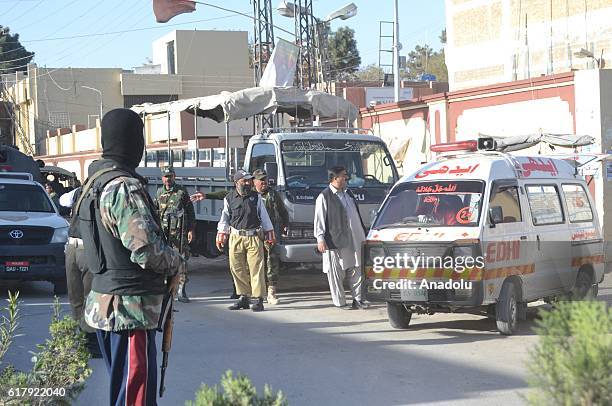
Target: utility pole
(263, 44)
(304, 36)
(396, 78)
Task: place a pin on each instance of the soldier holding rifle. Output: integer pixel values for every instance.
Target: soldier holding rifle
(173, 198)
(129, 258)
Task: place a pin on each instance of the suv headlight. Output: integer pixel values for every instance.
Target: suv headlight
(60, 235)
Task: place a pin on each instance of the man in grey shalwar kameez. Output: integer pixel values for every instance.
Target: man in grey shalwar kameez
(340, 232)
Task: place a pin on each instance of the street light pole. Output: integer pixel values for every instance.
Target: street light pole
(396, 78)
(99, 94)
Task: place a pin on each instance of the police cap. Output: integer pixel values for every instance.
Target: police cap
(260, 174)
(167, 170)
(242, 174)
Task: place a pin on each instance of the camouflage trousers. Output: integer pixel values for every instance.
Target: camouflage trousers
(272, 264)
(174, 241)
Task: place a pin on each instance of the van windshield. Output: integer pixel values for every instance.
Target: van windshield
(367, 163)
(431, 204)
(15, 197)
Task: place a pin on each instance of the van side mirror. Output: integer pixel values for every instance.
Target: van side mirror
(373, 214)
(496, 215)
(271, 169)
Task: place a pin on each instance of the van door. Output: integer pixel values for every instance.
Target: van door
(506, 241)
(551, 251)
(586, 243)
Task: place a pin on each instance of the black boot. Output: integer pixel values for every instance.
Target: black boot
(92, 345)
(242, 303)
(182, 293)
(234, 294)
(258, 305)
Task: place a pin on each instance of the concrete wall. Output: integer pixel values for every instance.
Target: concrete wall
(207, 63)
(594, 117)
(62, 101)
(503, 40)
(150, 84)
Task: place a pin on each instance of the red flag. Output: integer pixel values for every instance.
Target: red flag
(166, 9)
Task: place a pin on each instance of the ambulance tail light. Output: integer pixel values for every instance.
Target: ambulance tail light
(456, 146)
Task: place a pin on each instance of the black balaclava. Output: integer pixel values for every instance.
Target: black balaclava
(122, 138)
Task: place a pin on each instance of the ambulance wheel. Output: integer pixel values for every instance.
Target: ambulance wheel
(585, 288)
(507, 309)
(399, 315)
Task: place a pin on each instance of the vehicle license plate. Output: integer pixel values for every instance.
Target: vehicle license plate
(414, 295)
(17, 266)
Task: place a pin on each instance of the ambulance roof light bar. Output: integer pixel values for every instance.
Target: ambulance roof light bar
(456, 146)
(482, 144)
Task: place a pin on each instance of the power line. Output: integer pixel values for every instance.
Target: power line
(9, 10)
(242, 14)
(36, 22)
(62, 27)
(18, 59)
(27, 11)
(12, 50)
(99, 34)
(70, 49)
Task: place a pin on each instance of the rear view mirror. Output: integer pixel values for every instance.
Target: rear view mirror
(271, 169)
(496, 215)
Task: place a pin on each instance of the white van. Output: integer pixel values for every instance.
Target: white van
(483, 231)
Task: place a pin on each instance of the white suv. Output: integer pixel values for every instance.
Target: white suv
(32, 233)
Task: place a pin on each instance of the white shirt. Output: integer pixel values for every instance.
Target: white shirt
(67, 199)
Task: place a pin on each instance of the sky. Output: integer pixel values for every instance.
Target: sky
(119, 33)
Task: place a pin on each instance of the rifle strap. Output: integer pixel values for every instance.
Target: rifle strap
(87, 186)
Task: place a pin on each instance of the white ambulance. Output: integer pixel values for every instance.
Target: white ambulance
(486, 232)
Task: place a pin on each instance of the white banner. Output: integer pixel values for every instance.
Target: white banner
(280, 70)
(383, 95)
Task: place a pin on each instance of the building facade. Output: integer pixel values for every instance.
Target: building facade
(566, 103)
(185, 64)
(497, 41)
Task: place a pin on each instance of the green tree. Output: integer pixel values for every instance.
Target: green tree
(236, 391)
(424, 59)
(13, 56)
(343, 55)
(370, 72)
(572, 362)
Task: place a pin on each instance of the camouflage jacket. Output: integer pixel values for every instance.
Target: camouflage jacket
(126, 214)
(171, 201)
(276, 208)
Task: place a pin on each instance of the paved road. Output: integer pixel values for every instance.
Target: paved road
(315, 353)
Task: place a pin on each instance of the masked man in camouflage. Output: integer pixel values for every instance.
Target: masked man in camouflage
(174, 206)
(280, 219)
(130, 261)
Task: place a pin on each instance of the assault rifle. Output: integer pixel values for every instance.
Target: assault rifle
(166, 319)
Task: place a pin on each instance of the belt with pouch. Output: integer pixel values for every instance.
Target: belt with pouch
(245, 233)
